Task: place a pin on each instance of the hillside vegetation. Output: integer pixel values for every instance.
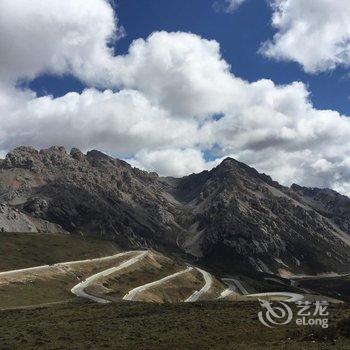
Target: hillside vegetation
(22, 250)
(147, 326)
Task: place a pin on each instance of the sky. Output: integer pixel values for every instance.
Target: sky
(175, 87)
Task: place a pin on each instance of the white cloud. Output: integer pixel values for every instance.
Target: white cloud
(170, 84)
(55, 36)
(122, 122)
(314, 33)
(228, 6)
(232, 5)
(172, 162)
(278, 131)
(179, 71)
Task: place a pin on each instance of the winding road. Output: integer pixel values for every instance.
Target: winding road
(231, 289)
(35, 269)
(234, 285)
(208, 282)
(131, 295)
(292, 297)
(317, 277)
(79, 289)
(238, 284)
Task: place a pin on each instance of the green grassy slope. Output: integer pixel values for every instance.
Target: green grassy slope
(144, 326)
(21, 250)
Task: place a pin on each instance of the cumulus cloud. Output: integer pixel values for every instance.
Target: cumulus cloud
(123, 122)
(313, 33)
(158, 102)
(173, 162)
(56, 36)
(179, 71)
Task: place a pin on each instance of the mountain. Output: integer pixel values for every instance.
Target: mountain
(232, 217)
(329, 203)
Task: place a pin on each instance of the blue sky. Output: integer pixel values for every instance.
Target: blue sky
(240, 35)
(187, 85)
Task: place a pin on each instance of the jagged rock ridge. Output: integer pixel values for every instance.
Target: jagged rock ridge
(229, 216)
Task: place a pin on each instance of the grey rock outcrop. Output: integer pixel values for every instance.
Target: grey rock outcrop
(12, 220)
(231, 216)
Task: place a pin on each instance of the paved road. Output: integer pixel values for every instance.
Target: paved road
(228, 291)
(63, 264)
(231, 289)
(131, 295)
(238, 284)
(293, 297)
(316, 277)
(27, 270)
(79, 289)
(35, 306)
(208, 282)
(235, 285)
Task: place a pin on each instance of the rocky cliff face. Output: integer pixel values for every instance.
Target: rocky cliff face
(12, 220)
(93, 193)
(329, 203)
(241, 215)
(231, 216)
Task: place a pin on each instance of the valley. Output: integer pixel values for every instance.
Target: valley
(143, 275)
(230, 218)
(113, 253)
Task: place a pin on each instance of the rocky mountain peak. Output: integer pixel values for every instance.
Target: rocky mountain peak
(94, 154)
(29, 158)
(97, 158)
(54, 150)
(77, 154)
(231, 213)
(22, 157)
(231, 168)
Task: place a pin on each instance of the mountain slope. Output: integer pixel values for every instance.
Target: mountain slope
(231, 217)
(244, 215)
(92, 193)
(329, 203)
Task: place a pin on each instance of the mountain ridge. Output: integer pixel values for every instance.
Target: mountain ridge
(229, 216)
